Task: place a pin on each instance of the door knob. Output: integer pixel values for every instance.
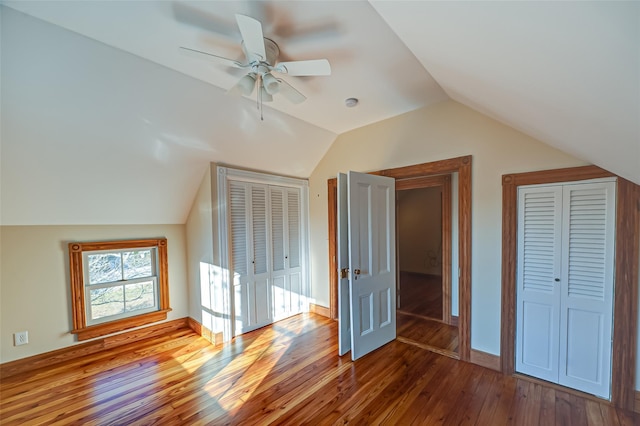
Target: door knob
(356, 271)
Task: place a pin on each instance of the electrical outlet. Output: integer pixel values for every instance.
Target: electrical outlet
(20, 338)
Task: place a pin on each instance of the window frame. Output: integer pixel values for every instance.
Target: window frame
(81, 326)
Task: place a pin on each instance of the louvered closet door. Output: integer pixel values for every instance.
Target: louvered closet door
(279, 286)
(259, 286)
(538, 292)
(248, 217)
(294, 251)
(565, 284)
(286, 256)
(239, 222)
(587, 296)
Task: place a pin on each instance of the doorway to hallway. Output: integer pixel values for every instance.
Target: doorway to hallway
(424, 304)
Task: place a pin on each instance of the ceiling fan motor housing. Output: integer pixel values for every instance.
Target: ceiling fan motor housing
(271, 49)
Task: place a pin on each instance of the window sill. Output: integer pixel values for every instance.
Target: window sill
(119, 325)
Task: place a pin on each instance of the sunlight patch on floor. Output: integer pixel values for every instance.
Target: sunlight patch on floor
(247, 372)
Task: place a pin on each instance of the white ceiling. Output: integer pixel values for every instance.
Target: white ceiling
(90, 87)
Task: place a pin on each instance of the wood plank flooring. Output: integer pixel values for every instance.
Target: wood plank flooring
(427, 332)
(287, 373)
(421, 294)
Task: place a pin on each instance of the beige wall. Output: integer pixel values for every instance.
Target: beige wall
(200, 235)
(419, 217)
(208, 298)
(443, 131)
(34, 280)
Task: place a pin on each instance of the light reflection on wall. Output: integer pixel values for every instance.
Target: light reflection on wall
(214, 297)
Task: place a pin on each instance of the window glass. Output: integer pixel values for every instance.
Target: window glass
(106, 302)
(137, 264)
(140, 296)
(104, 267)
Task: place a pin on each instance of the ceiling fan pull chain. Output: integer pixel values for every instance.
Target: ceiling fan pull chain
(260, 96)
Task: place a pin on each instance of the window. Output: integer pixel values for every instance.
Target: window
(116, 285)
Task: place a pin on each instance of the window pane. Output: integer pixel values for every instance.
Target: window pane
(105, 267)
(107, 301)
(140, 296)
(137, 264)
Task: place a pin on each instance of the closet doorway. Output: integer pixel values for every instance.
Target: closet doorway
(426, 315)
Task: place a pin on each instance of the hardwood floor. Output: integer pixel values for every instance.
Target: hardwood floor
(421, 294)
(427, 332)
(420, 313)
(288, 373)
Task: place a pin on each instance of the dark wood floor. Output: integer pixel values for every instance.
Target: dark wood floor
(421, 294)
(429, 333)
(287, 373)
(420, 313)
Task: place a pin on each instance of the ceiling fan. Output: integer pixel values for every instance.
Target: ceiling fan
(261, 55)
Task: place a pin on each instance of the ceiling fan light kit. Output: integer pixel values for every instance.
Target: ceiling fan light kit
(261, 54)
(270, 84)
(247, 83)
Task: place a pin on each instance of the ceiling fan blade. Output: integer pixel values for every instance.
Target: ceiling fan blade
(211, 57)
(302, 68)
(252, 37)
(290, 93)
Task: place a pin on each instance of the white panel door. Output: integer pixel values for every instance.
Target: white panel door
(538, 281)
(587, 297)
(344, 318)
(372, 285)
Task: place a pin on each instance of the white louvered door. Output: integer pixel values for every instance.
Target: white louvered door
(285, 248)
(538, 294)
(239, 227)
(259, 286)
(293, 253)
(248, 217)
(266, 253)
(565, 284)
(587, 292)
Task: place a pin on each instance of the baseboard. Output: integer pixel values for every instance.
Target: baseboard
(485, 360)
(215, 338)
(58, 356)
(320, 310)
(636, 405)
(455, 321)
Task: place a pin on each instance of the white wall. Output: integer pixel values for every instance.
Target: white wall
(439, 132)
(34, 280)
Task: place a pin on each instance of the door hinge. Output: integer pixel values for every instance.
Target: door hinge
(343, 273)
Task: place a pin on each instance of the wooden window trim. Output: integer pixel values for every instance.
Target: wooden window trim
(626, 273)
(76, 275)
(461, 165)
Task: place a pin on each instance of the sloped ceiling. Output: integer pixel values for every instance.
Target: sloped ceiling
(104, 122)
(566, 73)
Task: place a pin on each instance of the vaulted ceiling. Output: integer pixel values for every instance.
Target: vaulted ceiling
(104, 121)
